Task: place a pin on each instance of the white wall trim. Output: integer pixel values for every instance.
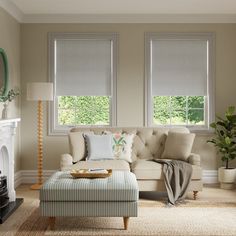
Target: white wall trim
(54, 128)
(30, 176)
(129, 18)
(18, 179)
(12, 9)
(210, 176)
(209, 111)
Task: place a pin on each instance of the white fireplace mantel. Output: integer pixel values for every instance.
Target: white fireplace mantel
(7, 133)
(4, 122)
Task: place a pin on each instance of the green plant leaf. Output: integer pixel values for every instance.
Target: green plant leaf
(232, 118)
(115, 141)
(219, 118)
(222, 132)
(213, 125)
(211, 141)
(225, 135)
(221, 123)
(230, 111)
(227, 140)
(120, 140)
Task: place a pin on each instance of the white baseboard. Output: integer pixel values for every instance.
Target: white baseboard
(17, 178)
(30, 176)
(210, 176)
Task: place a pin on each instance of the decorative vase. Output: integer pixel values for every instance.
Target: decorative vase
(227, 177)
(5, 111)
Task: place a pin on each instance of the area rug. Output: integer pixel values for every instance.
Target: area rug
(152, 220)
(187, 203)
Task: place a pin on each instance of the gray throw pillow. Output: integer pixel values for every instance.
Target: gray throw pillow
(99, 147)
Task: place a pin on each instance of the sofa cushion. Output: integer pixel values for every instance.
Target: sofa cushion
(77, 145)
(122, 146)
(148, 143)
(99, 147)
(62, 187)
(178, 146)
(150, 170)
(105, 164)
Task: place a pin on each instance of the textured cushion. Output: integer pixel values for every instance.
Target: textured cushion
(146, 169)
(77, 145)
(99, 147)
(194, 159)
(148, 142)
(178, 146)
(159, 185)
(106, 164)
(89, 209)
(61, 186)
(122, 146)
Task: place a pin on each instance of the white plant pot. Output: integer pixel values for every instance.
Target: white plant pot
(227, 177)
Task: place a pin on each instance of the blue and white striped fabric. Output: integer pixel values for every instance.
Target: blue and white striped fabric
(89, 209)
(121, 186)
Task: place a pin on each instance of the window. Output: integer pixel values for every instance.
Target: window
(179, 80)
(178, 110)
(83, 69)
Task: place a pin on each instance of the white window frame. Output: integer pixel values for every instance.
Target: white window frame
(54, 128)
(209, 113)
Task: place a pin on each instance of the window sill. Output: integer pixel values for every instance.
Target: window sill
(201, 130)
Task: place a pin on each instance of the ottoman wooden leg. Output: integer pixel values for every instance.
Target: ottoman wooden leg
(51, 222)
(195, 195)
(126, 222)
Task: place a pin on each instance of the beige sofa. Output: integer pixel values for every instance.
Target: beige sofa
(148, 144)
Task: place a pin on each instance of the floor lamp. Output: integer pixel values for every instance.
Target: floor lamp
(39, 92)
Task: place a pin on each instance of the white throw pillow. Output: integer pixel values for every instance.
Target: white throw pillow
(122, 146)
(99, 147)
(178, 146)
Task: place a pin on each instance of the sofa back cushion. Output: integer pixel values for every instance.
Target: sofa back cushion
(77, 145)
(178, 146)
(99, 147)
(148, 141)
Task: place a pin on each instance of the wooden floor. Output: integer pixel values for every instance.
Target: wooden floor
(9, 227)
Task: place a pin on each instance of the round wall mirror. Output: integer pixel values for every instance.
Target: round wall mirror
(3, 73)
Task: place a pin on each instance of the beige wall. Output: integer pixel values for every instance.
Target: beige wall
(130, 83)
(10, 42)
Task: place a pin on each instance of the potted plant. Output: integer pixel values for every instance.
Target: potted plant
(11, 95)
(224, 140)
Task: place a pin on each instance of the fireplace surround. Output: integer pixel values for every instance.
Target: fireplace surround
(4, 199)
(7, 158)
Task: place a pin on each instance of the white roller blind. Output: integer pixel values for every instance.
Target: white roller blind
(83, 67)
(179, 67)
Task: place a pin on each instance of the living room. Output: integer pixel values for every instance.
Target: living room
(157, 74)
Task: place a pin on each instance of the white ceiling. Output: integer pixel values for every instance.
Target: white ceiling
(122, 11)
(126, 6)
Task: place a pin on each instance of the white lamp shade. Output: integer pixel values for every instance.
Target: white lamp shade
(40, 91)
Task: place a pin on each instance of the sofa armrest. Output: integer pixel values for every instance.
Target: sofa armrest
(194, 159)
(66, 160)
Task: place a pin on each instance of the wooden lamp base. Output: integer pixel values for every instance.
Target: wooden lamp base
(39, 184)
(36, 186)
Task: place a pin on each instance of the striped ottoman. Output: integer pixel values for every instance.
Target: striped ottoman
(115, 196)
